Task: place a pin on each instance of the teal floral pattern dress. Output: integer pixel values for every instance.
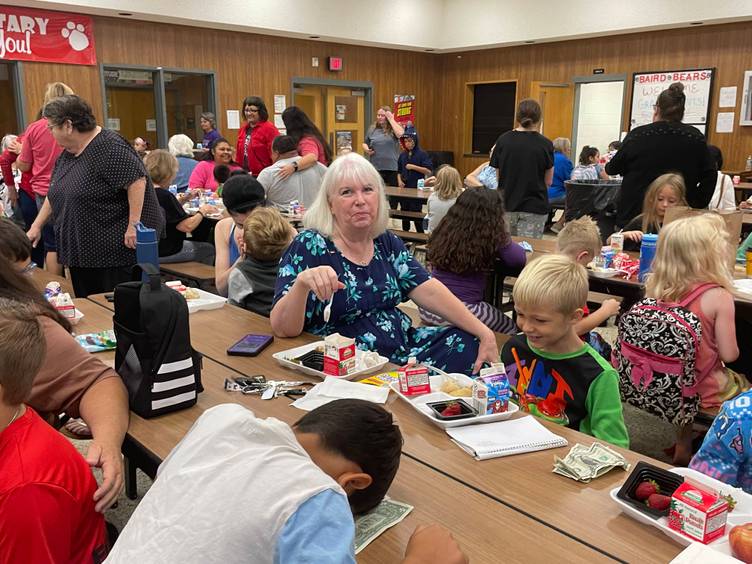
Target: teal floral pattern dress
(366, 309)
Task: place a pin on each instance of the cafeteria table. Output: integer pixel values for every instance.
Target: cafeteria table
(522, 483)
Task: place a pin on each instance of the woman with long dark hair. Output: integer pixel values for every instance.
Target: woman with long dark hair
(465, 246)
(310, 142)
(203, 175)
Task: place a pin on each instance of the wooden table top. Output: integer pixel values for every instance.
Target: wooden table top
(524, 482)
(413, 193)
(469, 514)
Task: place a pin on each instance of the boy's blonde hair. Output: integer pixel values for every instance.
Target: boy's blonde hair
(552, 282)
(690, 251)
(579, 235)
(448, 183)
(161, 166)
(650, 219)
(266, 234)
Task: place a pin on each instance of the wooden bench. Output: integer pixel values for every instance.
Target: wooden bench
(411, 236)
(400, 214)
(202, 275)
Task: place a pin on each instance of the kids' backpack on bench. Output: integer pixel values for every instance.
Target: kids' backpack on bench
(154, 356)
(655, 356)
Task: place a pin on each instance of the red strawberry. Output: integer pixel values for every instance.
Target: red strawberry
(452, 409)
(646, 489)
(658, 501)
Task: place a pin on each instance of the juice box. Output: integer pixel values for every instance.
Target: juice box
(414, 379)
(698, 513)
(491, 390)
(339, 355)
(64, 305)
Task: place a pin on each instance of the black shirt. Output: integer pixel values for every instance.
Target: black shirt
(657, 148)
(174, 214)
(522, 158)
(89, 199)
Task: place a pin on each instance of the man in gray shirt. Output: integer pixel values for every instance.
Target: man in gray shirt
(302, 185)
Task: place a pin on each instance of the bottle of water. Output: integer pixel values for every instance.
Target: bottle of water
(421, 183)
(147, 248)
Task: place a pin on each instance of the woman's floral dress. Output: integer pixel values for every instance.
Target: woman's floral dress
(366, 309)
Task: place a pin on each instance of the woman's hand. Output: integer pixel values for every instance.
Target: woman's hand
(400, 184)
(285, 171)
(635, 236)
(321, 280)
(207, 209)
(15, 146)
(745, 205)
(129, 240)
(488, 351)
(35, 235)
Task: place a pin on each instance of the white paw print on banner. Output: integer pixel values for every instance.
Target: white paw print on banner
(75, 35)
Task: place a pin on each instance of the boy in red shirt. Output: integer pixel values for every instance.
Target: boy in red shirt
(46, 487)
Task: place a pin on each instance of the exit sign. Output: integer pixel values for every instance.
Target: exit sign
(335, 63)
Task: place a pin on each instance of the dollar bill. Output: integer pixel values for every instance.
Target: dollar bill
(370, 525)
(584, 463)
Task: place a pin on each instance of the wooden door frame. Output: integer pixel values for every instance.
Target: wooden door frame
(579, 80)
(535, 89)
(365, 85)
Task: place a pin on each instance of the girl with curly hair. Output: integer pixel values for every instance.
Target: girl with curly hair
(464, 248)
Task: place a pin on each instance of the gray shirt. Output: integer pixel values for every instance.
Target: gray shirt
(386, 147)
(437, 209)
(302, 185)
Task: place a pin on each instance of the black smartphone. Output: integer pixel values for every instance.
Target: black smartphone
(250, 345)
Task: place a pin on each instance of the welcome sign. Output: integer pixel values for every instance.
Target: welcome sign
(52, 37)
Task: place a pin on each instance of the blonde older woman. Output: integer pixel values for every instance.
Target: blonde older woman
(181, 147)
(347, 256)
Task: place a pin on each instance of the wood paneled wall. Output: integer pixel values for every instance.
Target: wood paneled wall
(245, 64)
(248, 64)
(727, 47)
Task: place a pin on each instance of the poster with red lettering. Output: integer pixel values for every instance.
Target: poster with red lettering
(404, 109)
(698, 86)
(39, 35)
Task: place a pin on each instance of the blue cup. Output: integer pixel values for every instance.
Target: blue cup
(647, 254)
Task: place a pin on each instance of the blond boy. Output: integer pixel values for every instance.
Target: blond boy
(552, 372)
(266, 236)
(580, 240)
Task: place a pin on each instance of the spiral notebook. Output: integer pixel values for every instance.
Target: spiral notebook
(505, 438)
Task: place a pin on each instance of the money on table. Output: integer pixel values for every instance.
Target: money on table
(584, 463)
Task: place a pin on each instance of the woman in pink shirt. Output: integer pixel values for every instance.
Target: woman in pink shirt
(311, 143)
(202, 176)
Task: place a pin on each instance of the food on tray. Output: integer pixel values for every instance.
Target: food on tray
(452, 408)
(645, 489)
(369, 359)
(187, 293)
(414, 379)
(339, 355)
(191, 294)
(96, 342)
(740, 539)
(698, 513)
(658, 501)
(451, 387)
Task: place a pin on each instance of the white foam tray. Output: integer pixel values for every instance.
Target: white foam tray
(283, 357)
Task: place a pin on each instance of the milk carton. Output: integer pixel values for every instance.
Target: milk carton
(697, 513)
(339, 355)
(491, 390)
(414, 379)
(64, 305)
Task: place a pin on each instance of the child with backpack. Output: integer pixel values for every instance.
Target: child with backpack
(672, 345)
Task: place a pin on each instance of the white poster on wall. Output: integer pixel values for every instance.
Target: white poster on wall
(151, 125)
(113, 123)
(278, 123)
(280, 103)
(727, 97)
(647, 86)
(233, 119)
(724, 122)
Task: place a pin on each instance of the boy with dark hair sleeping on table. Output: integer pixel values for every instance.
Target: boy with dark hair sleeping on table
(242, 489)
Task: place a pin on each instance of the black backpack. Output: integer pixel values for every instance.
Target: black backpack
(154, 357)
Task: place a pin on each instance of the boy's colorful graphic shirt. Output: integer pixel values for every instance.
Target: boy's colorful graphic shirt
(579, 389)
(725, 452)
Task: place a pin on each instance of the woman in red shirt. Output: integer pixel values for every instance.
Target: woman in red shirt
(254, 148)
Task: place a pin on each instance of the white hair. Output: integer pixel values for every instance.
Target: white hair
(7, 140)
(180, 145)
(350, 167)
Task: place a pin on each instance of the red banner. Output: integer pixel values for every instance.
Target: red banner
(42, 36)
(404, 109)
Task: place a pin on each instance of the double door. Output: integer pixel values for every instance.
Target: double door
(338, 111)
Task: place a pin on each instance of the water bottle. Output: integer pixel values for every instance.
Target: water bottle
(421, 183)
(647, 253)
(147, 248)
(174, 189)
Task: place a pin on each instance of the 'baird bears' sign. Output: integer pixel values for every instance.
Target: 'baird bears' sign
(52, 37)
